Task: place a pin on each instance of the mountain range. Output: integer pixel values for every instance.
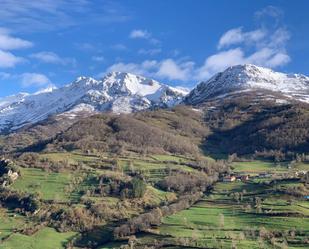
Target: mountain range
(117, 92)
(120, 92)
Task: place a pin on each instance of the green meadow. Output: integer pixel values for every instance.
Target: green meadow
(49, 185)
(47, 238)
(221, 220)
(258, 167)
(232, 215)
(9, 222)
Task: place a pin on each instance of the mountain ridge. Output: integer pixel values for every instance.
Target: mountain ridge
(248, 77)
(121, 92)
(117, 92)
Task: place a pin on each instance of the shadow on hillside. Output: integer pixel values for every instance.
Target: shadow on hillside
(271, 128)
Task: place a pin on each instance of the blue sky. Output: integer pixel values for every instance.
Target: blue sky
(179, 42)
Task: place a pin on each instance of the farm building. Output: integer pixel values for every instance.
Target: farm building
(13, 175)
(229, 179)
(244, 178)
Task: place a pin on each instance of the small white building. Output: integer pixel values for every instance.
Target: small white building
(229, 179)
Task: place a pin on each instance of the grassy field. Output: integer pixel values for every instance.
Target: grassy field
(156, 196)
(47, 238)
(71, 157)
(258, 167)
(224, 220)
(58, 186)
(266, 166)
(51, 186)
(9, 222)
(219, 220)
(174, 158)
(154, 166)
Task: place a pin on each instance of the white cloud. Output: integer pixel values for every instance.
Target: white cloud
(141, 34)
(219, 62)
(231, 37)
(45, 15)
(145, 68)
(278, 59)
(52, 58)
(186, 70)
(268, 57)
(270, 16)
(8, 42)
(172, 70)
(236, 36)
(164, 69)
(279, 38)
(256, 47)
(265, 56)
(150, 64)
(263, 46)
(270, 10)
(34, 79)
(144, 34)
(47, 57)
(26, 80)
(8, 59)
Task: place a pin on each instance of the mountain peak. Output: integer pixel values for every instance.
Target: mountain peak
(250, 77)
(246, 66)
(47, 89)
(123, 76)
(117, 91)
(83, 80)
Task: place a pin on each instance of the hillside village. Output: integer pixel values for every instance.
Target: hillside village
(273, 176)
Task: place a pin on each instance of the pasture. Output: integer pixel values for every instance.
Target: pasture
(47, 238)
(49, 185)
(248, 214)
(258, 166)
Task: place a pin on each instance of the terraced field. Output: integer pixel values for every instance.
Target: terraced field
(70, 187)
(253, 214)
(219, 219)
(50, 186)
(250, 214)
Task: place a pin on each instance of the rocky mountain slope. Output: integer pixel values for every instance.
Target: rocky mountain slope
(117, 92)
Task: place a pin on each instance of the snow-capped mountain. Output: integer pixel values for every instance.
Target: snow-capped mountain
(117, 92)
(238, 79)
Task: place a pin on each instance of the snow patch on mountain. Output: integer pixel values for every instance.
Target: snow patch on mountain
(248, 78)
(118, 92)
